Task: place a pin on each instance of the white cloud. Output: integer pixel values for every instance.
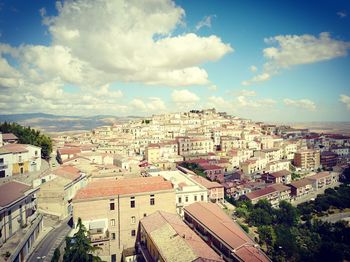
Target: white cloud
(342, 14)
(219, 103)
(346, 100)
(212, 87)
(253, 68)
(151, 104)
(302, 103)
(184, 97)
(292, 50)
(205, 22)
(245, 92)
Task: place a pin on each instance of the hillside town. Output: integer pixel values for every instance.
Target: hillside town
(162, 188)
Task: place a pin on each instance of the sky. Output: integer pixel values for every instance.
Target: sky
(285, 61)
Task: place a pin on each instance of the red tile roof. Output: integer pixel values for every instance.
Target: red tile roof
(301, 183)
(11, 191)
(266, 191)
(9, 136)
(69, 172)
(15, 148)
(112, 187)
(158, 219)
(68, 151)
(319, 175)
(280, 173)
(205, 182)
(212, 217)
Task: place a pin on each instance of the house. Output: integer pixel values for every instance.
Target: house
(55, 196)
(324, 179)
(187, 189)
(274, 194)
(279, 177)
(67, 153)
(216, 191)
(214, 172)
(9, 138)
(111, 210)
(222, 234)
(164, 236)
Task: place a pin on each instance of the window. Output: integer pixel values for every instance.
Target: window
(36, 153)
(195, 198)
(113, 236)
(1, 160)
(132, 202)
(202, 197)
(144, 214)
(114, 258)
(133, 232)
(111, 206)
(180, 200)
(133, 220)
(151, 201)
(112, 222)
(186, 198)
(19, 158)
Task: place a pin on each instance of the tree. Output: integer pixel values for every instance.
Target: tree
(260, 217)
(287, 214)
(78, 248)
(267, 235)
(56, 255)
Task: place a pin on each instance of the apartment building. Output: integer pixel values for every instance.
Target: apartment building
(289, 149)
(324, 179)
(187, 189)
(300, 188)
(55, 196)
(5, 163)
(278, 165)
(222, 234)
(216, 191)
(228, 142)
(253, 165)
(328, 159)
(307, 159)
(271, 154)
(18, 207)
(274, 194)
(195, 146)
(165, 237)
(111, 210)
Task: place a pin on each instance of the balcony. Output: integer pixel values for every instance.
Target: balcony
(99, 237)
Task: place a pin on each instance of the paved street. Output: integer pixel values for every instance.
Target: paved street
(336, 217)
(52, 240)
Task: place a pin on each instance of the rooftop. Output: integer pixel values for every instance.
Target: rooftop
(111, 187)
(11, 191)
(212, 217)
(266, 191)
(175, 240)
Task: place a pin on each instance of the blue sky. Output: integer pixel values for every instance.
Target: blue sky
(265, 60)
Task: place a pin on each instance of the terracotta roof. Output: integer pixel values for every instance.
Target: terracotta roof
(266, 191)
(205, 182)
(175, 240)
(9, 136)
(69, 172)
(301, 183)
(210, 167)
(280, 173)
(68, 151)
(212, 217)
(15, 148)
(319, 175)
(112, 187)
(12, 191)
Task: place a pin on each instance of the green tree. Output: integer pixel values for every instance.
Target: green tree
(287, 214)
(56, 255)
(78, 248)
(260, 217)
(267, 235)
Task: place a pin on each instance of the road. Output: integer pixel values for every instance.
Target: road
(336, 217)
(44, 251)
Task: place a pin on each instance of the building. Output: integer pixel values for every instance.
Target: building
(329, 159)
(9, 138)
(165, 237)
(278, 165)
(307, 159)
(300, 188)
(274, 194)
(216, 191)
(187, 190)
(55, 196)
(18, 209)
(111, 210)
(195, 146)
(222, 234)
(324, 179)
(67, 153)
(214, 172)
(279, 177)
(20, 159)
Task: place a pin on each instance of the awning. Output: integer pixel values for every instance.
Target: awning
(97, 224)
